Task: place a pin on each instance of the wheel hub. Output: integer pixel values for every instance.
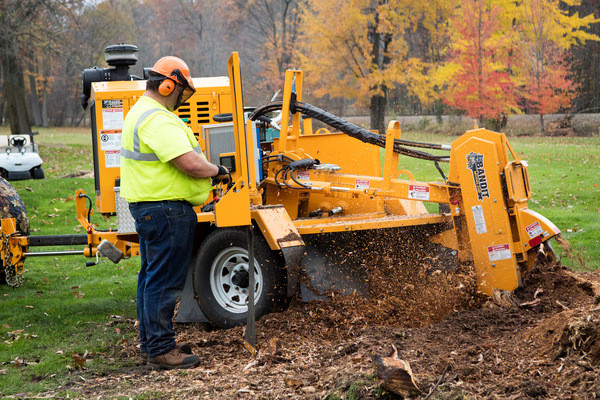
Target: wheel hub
(241, 278)
(230, 279)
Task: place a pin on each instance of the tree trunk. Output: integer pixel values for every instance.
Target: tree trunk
(45, 108)
(34, 103)
(14, 94)
(2, 102)
(378, 103)
(542, 124)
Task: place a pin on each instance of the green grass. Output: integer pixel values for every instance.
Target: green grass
(565, 182)
(62, 307)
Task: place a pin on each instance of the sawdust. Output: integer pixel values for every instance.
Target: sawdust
(548, 349)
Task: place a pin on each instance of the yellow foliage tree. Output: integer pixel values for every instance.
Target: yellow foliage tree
(546, 32)
(502, 52)
(357, 49)
(478, 74)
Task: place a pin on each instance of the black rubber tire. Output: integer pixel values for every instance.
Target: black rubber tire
(37, 173)
(12, 206)
(271, 267)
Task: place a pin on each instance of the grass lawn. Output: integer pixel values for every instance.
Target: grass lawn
(565, 181)
(65, 310)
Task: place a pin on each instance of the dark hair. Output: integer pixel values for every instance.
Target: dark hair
(154, 81)
(152, 85)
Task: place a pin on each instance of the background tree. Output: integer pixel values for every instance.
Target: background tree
(15, 18)
(481, 57)
(585, 58)
(427, 41)
(545, 32)
(356, 49)
(482, 54)
(266, 31)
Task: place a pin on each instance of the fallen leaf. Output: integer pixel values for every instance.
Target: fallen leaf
(78, 360)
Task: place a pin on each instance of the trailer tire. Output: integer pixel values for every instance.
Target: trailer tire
(12, 206)
(217, 289)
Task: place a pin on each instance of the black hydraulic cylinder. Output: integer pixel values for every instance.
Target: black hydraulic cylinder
(57, 240)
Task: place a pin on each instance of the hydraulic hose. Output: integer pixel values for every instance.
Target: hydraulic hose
(352, 130)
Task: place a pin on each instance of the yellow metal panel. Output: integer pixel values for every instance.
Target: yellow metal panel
(350, 204)
(517, 181)
(205, 217)
(478, 166)
(352, 155)
(366, 221)
(390, 163)
(446, 238)
(233, 209)
(277, 227)
(404, 207)
(533, 229)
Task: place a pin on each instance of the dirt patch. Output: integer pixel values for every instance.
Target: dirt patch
(84, 173)
(547, 346)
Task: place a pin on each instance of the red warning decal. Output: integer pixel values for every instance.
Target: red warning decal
(499, 252)
(418, 192)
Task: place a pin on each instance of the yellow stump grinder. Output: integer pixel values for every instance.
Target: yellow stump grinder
(308, 196)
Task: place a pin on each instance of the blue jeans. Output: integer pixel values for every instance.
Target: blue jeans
(166, 232)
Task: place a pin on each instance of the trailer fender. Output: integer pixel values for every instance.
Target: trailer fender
(281, 234)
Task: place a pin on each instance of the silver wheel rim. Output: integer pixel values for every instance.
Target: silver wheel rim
(229, 296)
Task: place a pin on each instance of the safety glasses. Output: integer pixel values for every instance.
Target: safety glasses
(188, 90)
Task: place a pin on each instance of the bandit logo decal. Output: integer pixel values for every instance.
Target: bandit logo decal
(475, 164)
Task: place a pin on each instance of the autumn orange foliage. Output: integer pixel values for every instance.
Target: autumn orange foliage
(482, 85)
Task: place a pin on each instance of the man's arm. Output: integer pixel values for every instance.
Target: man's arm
(193, 164)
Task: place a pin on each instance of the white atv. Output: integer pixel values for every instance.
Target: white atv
(19, 158)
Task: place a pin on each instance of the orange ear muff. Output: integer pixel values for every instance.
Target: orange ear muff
(166, 87)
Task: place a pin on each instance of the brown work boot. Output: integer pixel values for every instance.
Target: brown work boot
(173, 359)
(185, 348)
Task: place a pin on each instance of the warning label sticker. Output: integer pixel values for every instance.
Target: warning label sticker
(418, 192)
(304, 175)
(534, 230)
(361, 184)
(112, 158)
(480, 225)
(499, 252)
(112, 118)
(112, 103)
(110, 140)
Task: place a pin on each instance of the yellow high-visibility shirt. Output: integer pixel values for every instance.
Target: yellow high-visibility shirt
(151, 137)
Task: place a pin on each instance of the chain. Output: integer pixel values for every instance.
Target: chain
(10, 272)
